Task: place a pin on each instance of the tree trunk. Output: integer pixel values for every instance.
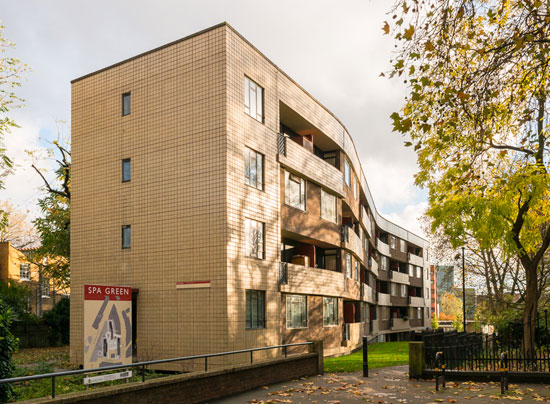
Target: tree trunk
(530, 313)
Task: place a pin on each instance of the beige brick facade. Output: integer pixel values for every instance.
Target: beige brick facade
(187, 201)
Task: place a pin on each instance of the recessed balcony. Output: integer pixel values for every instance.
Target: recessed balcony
(382, 247)
(384, 299)
(399, 324)
(295, 278)
(366, 222)
(416, 301)
(399, 277)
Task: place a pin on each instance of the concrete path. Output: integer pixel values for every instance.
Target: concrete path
(386, 386)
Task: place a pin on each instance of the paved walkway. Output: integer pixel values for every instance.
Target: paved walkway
(386, 386)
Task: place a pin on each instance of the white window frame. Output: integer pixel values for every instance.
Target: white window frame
(328, 206)
(301, 183)
(392, 242)
(330, 311)
(402, 245)
(347, 172)
(348, 265)
(393, 289)
(404, 290)
(26, 271)
(256, 181)
(300, 300)
(254, 238)
(253, 99)
(411, 270)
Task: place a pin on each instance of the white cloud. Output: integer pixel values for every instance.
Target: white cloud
(409, 217)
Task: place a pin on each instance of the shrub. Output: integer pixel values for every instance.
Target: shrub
(16, 295)
(58, 319)
(8, 345)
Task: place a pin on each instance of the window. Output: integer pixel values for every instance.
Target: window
(427, 295)
(383, 263)
(330, 259)
(364, 312)
(402, 245)
(253, 100)
(347, 172)
(403, 290)
(355, 188)
(357, 270)
(328, 206)
(24, 272)
(45, 287)
(125, 104)
(255, 309)
(295, 191)
(393, 289)
(385, 311)
(254, 238)
(419, 312)
(392, 242)
(126, 236)
(126, 170)
(419, 272)
(348, 265)
(412, 313)
(427, 274)
(253, 168)
(330, 311)
(296, 311)
(411, 270)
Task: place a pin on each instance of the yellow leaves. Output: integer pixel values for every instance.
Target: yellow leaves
(429, 46)
(408, 34)
(386, 28)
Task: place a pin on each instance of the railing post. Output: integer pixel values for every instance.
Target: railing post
(53, 386)
(284, 351)
(365, 357)
(143, 373)
(206, 364)
(439, 364)
(251, 358)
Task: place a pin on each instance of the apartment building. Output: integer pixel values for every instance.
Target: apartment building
(235, 206)
(433, 292)
(15, 265)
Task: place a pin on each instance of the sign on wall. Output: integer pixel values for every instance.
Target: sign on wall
(107, 326)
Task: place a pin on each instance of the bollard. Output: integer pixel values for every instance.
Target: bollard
(503, 372)
(438, 364)
(365, 357)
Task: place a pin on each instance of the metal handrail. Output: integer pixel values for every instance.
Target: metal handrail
(143, 364)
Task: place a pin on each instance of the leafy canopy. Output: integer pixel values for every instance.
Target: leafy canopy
(477, 116)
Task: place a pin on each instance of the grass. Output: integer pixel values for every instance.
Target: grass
(381, 355)
(34, 361)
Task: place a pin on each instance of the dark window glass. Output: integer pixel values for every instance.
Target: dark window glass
(125, 104)
(126, 170)
(253, 168)
(255, 309)
(126, 236)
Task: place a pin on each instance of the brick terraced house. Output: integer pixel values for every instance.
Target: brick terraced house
(235, 206)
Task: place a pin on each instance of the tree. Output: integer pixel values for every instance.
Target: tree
(53, 225)
(8, 345)
(451, 307)
(16, 296)
(17, 228)
(11, 71)
(476, 114)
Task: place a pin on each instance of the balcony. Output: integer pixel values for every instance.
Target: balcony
(307, 280)
(369, 295)
(373, 327)
(383, 248)
(415, 260)
(397, 324)
(416, 301)
(373, 266)
(384, 299)
(366, 222)
(299, 159)
(417, 322)
(399, 277)
(352, 242)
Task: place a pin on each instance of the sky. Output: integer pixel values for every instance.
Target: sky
(335, 50)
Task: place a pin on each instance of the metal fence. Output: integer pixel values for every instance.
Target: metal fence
(461, 351)
(143, 365)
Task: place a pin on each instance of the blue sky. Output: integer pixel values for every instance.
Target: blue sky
(336, 51)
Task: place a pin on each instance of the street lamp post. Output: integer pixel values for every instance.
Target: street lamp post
(463, 292)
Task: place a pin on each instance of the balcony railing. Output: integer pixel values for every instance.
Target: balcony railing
(399, 277)
(295, 278)
(384, 299)
(297, 158)
(383, 248)
(399, 324)
(351, 241)
(416, 301)
(415, 259)
(365, 220)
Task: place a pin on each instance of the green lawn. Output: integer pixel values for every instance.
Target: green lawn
(380, 355)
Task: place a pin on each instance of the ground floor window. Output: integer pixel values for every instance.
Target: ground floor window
(330, 311)
(296, 311)
(255, 309)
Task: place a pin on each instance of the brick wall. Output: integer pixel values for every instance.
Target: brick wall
(197, 387)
